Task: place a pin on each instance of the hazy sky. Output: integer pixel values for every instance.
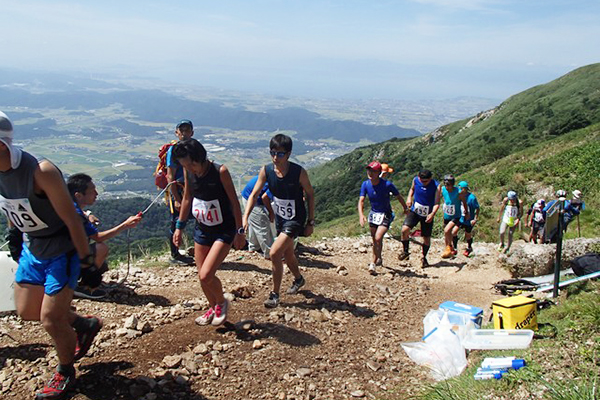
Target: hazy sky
(331, 48)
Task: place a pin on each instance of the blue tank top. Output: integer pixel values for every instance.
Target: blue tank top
(211, 206)
(31, 213)
(451, 203)
(424, 197)
(288, 195)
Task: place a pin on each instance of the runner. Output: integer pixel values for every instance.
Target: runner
(511, 211)
(184, 130)
(83, 192)
(454, 201)
(210, 194)
(577, 201)
(380, 217)
(424, 202)
(261, 230)
(35, 199)
(468, 220)
(288, 182)
(537, 221)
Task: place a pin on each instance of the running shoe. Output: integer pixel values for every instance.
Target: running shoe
(467, 252)
(379, 262)
(272, 301)
(296, 285)
(57, 387)
(447, 252)
(181, 260)
(500, 248)
(86, 338)
(403, 256)
(220, 314)
(371, 268)
(84, 292)
(424, 263)
(454, 252)
(207, 318)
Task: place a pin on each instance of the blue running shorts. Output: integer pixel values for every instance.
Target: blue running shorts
(54, 273)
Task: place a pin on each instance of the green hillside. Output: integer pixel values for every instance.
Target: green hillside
(541, 115)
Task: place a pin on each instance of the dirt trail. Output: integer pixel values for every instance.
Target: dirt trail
(338, 338)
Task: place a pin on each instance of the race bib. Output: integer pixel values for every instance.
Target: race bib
(19, 212)
(462, 210)
(207, 212)
(376, 218)
(538, 216)
(512, 212)
(421, 210)
(285, 208)
(449, 209)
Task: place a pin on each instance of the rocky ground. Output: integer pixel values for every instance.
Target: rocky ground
(338, 338)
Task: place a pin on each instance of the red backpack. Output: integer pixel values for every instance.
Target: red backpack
(160, 174)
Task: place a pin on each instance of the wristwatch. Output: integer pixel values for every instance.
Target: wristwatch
(311, 222)
(241, 231)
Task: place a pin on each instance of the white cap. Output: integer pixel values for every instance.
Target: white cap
(6, 137)
(577, 194)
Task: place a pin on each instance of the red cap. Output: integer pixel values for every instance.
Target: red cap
(374, 166)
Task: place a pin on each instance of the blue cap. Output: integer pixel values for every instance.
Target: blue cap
(463, 184)
(511, 195)
(185, 122)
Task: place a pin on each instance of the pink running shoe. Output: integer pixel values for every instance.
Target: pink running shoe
(207, 318)
(220, 313)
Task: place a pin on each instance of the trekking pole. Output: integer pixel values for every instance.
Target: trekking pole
(141, 213)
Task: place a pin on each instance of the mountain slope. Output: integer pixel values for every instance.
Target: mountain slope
(535, 116)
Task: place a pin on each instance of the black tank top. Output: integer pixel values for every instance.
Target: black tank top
(288, 195)
(31, 213)
(210, 205)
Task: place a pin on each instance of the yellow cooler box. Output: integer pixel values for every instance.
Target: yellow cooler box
(518, 312)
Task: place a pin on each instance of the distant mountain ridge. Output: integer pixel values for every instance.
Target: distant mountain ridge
(534, 116)
(158, 106)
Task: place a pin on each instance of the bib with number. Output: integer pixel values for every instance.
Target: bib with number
(207, 212)
(449, 209)
(538, 216)
(510, 215)
(285, 208)
(20, 213)
(376, 218)
(421, 210)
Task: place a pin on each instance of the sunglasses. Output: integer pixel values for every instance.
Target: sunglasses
(279, 154)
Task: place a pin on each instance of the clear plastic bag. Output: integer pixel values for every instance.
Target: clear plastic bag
(441, 351)
(461, 324)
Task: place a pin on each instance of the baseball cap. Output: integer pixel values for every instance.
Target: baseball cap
(185, 122)
(386, 168)
(577, 194)
(374, 165)
(6, 137)
(463, 184)
(511, 195)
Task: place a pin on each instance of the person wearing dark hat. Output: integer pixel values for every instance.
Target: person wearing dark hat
(467, 220)
(380, 217)
(424, 201)
(184, 130)
(35, 198)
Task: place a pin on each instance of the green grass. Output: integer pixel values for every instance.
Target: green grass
(565, 367)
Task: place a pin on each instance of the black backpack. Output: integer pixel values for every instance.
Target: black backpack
(586, 264)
